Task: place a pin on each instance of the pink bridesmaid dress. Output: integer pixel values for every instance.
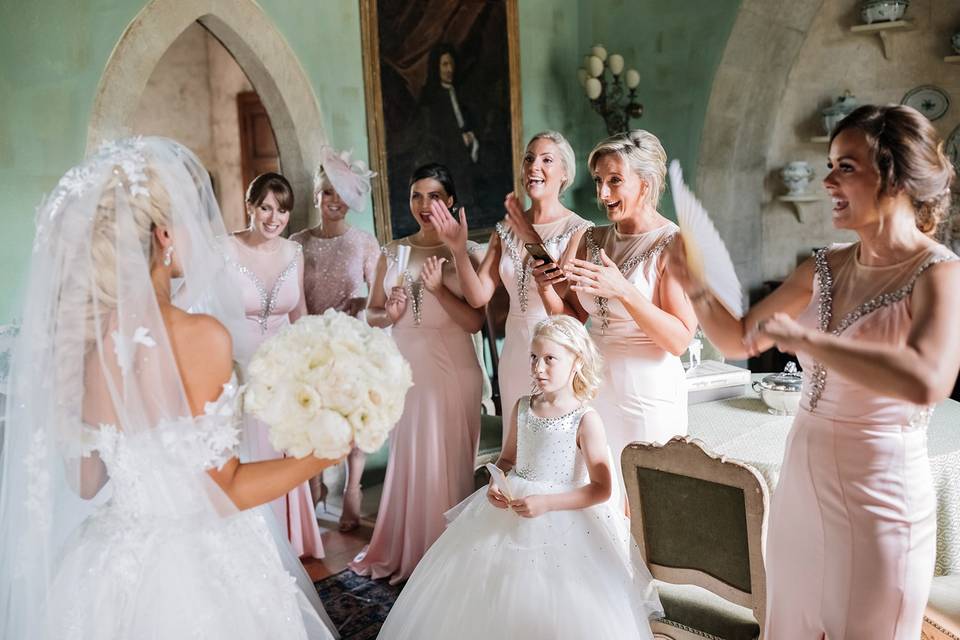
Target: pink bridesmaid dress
(852, 537)
(526, 307)
(434, 445)
(269, 283)
(644, 393)
(336, 269)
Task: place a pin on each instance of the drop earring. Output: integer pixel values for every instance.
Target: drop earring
(168, 256)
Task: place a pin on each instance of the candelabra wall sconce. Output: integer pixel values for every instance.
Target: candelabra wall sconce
(612, 93)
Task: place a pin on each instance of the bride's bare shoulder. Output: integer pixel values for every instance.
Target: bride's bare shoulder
(204, 353)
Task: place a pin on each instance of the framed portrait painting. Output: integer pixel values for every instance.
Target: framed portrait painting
(442, 85)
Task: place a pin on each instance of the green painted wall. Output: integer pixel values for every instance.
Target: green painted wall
(53, 52)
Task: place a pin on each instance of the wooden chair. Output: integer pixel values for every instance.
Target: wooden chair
(700, 523)
(941, 620)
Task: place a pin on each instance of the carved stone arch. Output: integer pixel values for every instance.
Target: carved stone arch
(742, 115)
(260, 50)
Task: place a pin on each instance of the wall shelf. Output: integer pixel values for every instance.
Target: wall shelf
(952, 59)
(799, 202)
(883, 31)
(820, 139)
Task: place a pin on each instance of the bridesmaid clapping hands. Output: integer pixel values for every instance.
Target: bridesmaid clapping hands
(433, 448)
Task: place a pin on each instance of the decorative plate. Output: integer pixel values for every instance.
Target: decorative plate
(929, 100)
(952, 148)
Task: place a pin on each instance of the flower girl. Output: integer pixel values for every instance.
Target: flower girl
(543, 552)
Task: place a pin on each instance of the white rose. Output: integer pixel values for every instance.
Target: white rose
(330, 435)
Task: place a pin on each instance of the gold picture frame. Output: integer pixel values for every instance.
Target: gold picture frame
(380, 160)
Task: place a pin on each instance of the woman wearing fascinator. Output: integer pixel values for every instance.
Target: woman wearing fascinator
(124, 511)
(268, 273)
(339, 265)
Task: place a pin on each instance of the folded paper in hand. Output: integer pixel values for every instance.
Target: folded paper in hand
(499, 480)
(707, 256)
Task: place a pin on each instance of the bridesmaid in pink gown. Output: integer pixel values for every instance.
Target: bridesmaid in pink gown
(339, 266)
(549, 167)
(434, 446)
(640, 317)
(851, 544)
(269, 274)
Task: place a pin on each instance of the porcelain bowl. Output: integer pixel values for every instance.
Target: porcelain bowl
(779, 402)
(883, 10)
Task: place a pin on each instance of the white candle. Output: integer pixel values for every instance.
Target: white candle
(582, 76)
(633, 78)
(615, 63)
(599, 51)
(595, 66)
(593, 88)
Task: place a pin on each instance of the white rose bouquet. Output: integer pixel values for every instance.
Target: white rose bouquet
(326, 382)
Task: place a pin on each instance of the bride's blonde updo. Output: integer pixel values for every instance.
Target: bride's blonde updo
(148, 210)
(908, 154)
(571, 335)
(643, 153)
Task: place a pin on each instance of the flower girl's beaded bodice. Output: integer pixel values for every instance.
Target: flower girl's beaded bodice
(547, 447)
(164, 460)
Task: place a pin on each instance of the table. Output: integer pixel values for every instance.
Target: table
(742, 429)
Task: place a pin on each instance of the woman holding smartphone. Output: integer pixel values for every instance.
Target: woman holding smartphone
(639, 315)
(549, 167)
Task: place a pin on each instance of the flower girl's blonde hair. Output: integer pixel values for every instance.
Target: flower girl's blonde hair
(570, 334)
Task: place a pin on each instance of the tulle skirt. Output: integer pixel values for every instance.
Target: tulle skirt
(156, 578)
(562, 575)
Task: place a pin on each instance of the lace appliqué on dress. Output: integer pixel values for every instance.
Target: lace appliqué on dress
(38, 488)
(211, 439)
(125, 348)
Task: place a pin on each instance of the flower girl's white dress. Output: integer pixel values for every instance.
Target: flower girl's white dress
(167, 568)
(563, 575)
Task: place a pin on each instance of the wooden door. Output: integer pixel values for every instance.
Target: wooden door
(258, 147)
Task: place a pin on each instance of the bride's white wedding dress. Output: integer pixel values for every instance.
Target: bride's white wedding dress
(111, 527)
(145, 568)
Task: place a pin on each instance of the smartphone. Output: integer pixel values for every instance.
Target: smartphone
(539, 252)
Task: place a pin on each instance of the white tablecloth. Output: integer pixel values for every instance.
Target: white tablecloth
(742, 429)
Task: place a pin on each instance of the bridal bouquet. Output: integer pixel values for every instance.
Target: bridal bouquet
(325, 382)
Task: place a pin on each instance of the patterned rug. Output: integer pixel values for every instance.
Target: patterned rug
(356, 604)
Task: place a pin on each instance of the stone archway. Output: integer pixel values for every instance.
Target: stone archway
(741, 119)
(260, 50)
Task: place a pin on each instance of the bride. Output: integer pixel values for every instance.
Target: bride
(124, 512)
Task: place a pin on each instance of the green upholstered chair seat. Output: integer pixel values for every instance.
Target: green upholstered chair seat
(491, 428)
(943, 608)
(697, 610)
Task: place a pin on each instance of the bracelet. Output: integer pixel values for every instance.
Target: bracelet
(700, 295)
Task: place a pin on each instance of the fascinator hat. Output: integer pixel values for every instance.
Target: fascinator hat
(350, 178)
